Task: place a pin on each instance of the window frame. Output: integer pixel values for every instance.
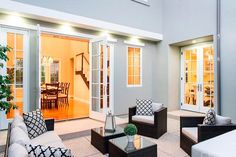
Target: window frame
(127, 66)
(48, 72)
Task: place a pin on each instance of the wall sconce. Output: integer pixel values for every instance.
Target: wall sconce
(46, 60)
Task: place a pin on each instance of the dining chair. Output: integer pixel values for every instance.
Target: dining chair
(64, 95)
(51, 95)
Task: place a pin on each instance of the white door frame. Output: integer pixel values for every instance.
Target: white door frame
(101, 115)
(199, 107)
(3, 33)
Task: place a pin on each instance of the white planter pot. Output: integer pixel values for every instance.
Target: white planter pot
(130, 138)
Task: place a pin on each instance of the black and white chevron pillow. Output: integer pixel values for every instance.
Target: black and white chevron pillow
(210, 118)
(35, 123)
(144, 107)
(47, 151)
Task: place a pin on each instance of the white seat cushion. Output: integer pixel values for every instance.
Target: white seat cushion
(145, 119)
(57, 144)
(45, 139)
(191, 132)
(219, 146)
(17, 150)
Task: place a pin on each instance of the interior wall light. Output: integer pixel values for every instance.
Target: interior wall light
(46, 60)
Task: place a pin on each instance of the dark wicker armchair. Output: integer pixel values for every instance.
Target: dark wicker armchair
(151, 130)
(204, 132)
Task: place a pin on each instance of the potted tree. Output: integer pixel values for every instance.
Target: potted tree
(130, 130)
(5, 80)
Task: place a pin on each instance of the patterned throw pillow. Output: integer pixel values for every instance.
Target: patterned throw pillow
(47, 151)
(210, 118)
(35, 123)
(144, 107)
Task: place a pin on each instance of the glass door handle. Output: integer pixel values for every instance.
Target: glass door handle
(198, 87)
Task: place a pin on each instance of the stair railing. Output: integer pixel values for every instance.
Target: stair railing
(84, 66)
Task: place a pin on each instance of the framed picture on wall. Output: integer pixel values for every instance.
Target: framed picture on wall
(144, 2)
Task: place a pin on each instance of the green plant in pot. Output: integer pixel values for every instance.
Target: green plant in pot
(130, 130)
(5, 80)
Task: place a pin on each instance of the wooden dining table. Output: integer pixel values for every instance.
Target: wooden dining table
(43, 89)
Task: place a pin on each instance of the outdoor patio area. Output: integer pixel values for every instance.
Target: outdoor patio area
(78, 138)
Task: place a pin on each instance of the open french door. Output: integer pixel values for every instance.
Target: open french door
(101, 78)
(18, 67)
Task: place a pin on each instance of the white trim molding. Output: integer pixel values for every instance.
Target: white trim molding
(38, 13)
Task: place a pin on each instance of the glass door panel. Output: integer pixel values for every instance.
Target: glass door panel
(95, 82)
(16, 67)
(190, 78)
(208, 77)
(100, 75)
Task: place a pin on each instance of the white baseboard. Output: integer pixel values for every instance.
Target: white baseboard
(82, 100)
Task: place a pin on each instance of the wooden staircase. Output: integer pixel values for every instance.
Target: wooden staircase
(82, 71)
(85, 79)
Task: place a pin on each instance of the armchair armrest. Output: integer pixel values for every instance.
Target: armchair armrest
(190, 121)
(132, 112)
(209, 131)
(49, 124)
(160, 116)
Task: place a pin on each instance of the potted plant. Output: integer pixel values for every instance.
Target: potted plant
(130, 130)
(5, 80)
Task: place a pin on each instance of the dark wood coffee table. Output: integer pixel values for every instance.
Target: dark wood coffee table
(142, 147)
(100, 138)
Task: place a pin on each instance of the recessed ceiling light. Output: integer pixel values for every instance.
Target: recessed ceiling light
(194, 41)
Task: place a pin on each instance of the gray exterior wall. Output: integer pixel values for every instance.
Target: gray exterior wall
(228, 58)
(125, 97)
(123, 12)
(182, 20)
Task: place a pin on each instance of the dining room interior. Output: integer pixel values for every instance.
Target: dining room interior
(64, 77)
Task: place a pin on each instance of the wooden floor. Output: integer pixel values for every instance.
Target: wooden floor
(75, 109)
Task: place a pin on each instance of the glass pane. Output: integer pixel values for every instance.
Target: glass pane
(95, 62)
(19, 42)
(95, 90)
(11, 40)
(19, 55)
(137, 71)
(95, 48)
(95, 76)
(10, 71)
(19, 77)
(130, 80)
(137, 80)
(190, 93)
(95, 104)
